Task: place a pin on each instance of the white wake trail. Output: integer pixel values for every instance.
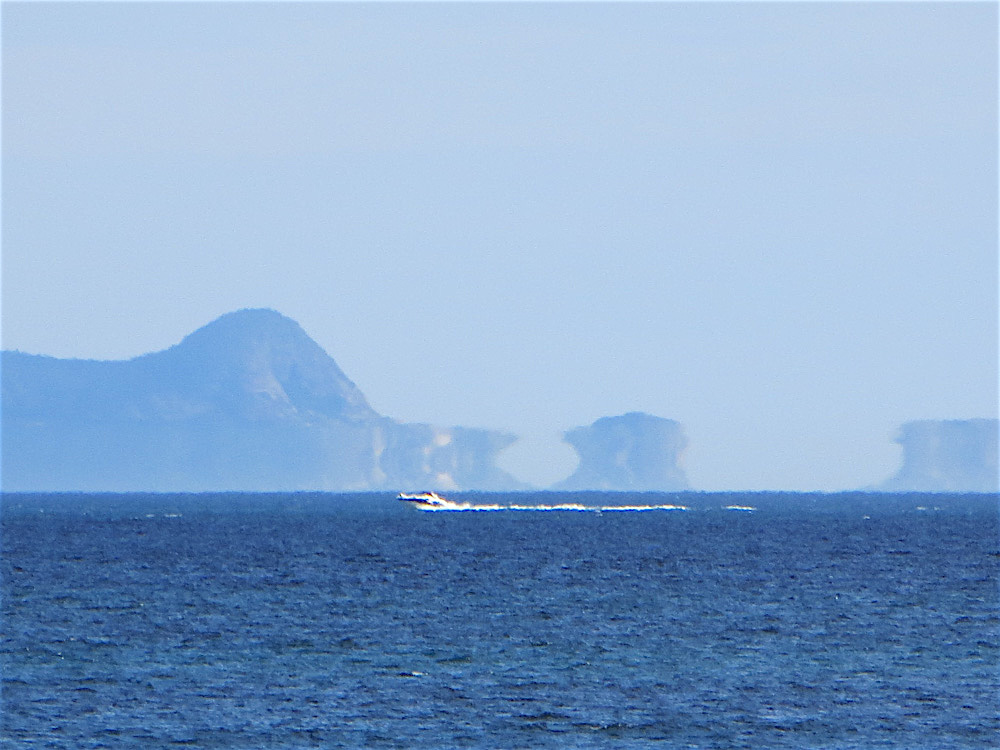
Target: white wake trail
(452, 507)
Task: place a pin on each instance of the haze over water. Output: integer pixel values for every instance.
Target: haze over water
(775, 223)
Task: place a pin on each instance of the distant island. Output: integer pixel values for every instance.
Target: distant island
(948, 455)
(250, 402)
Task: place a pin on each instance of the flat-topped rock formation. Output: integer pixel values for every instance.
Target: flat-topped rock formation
(954, 455)
(633, 451)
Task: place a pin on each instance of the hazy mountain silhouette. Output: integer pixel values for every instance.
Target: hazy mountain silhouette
(633, 451)
(248, 402)
(955, 455)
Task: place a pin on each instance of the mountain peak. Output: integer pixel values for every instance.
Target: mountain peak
(268, 363)
(248, 324)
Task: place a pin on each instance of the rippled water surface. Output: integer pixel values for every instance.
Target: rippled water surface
(326, 621)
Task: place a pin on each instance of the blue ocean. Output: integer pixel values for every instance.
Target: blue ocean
(690, 620)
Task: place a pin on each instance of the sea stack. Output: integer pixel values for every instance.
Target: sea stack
(956, 455)
(634, 451)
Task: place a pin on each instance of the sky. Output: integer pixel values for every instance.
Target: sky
(775, 223)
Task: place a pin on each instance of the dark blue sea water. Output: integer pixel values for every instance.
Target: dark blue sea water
(332, 621)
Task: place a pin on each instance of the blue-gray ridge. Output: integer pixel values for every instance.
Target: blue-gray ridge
(248, 402)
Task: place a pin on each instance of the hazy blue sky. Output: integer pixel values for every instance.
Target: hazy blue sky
(775, 223)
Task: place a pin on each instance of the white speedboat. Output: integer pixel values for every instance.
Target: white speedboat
(422, 498)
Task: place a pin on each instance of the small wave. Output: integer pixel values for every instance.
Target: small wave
(740, 507)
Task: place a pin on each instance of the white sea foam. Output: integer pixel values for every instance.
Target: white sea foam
(740, 507)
